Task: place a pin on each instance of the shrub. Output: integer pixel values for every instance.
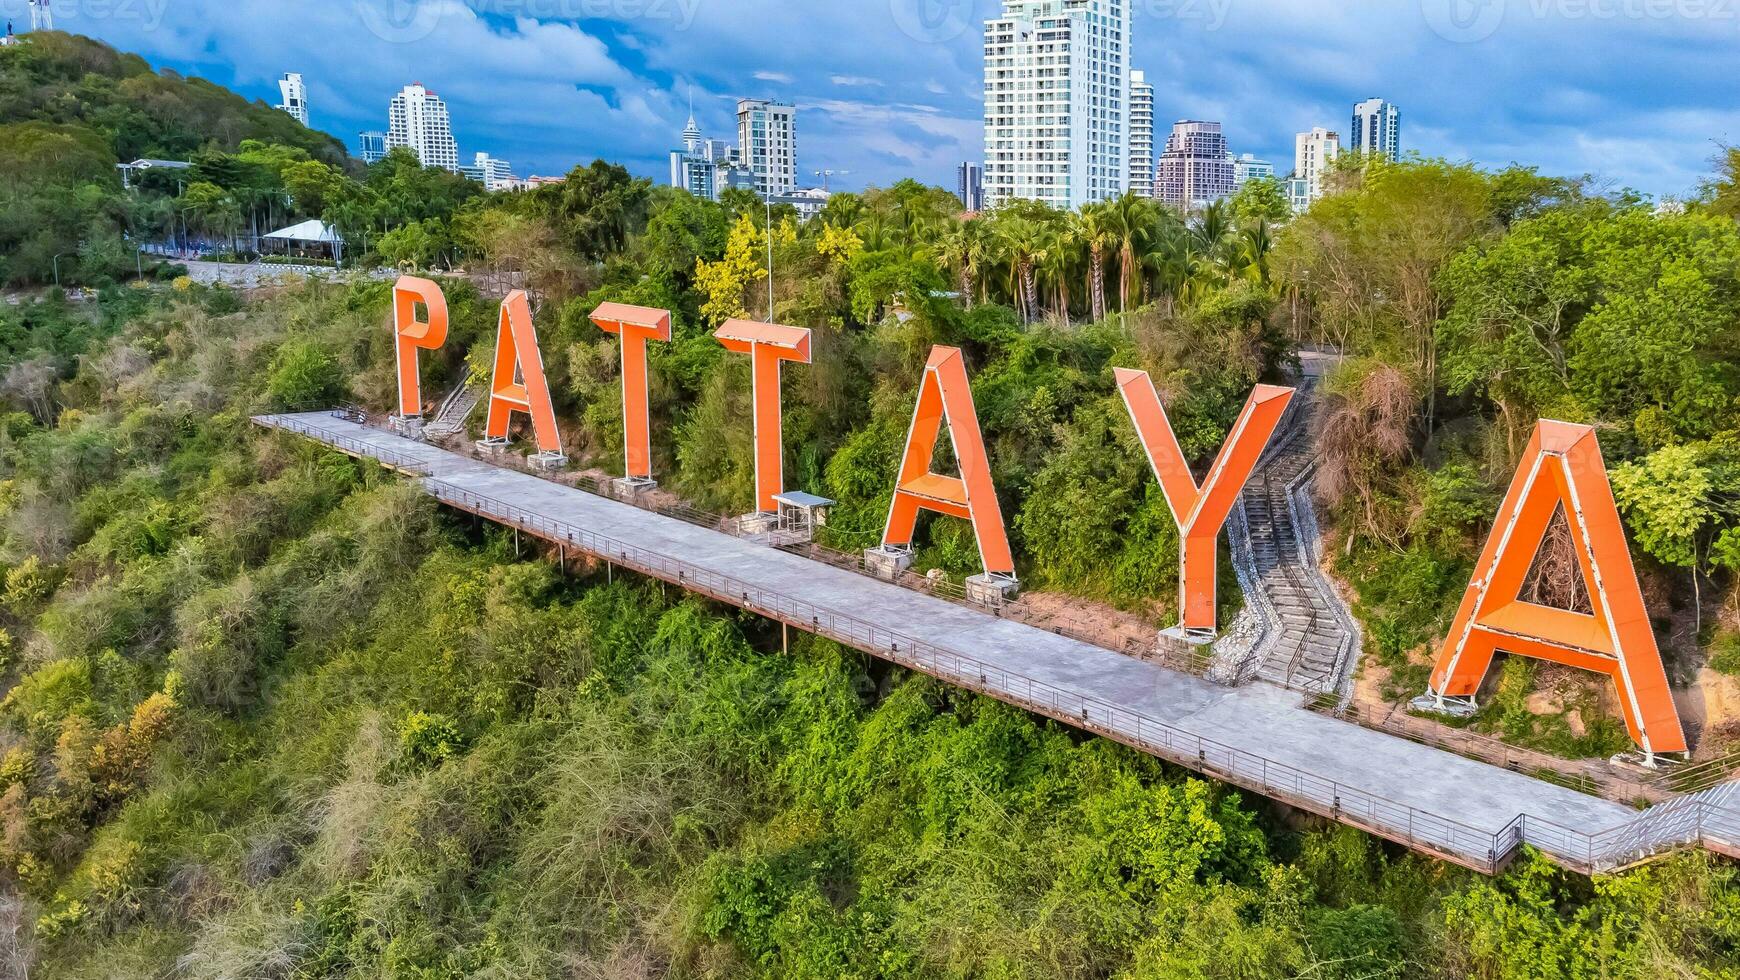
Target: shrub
(304, 375)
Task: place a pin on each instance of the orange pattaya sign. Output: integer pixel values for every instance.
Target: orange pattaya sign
(412, 335)
(635, 325)
(768, 345)
(1200, 512)
(518, 384)
(1563, 465)
(946, 396)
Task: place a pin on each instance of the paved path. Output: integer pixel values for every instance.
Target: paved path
(1258, 736)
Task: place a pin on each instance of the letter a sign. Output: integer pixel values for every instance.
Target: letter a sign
(1563, 465)
(946, 396)
(518, 384)
(1200, 512)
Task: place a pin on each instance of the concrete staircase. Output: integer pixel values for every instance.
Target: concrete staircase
(455, 409)
(1314, 640)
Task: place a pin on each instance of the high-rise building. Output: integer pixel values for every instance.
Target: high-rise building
(1194, 170)
(1313, 152)
(418, 119)
(493, 173)
(706, 167)
(1377, 129)
(1057, 102)
(371, 146)
(767, 144)
(295, 96)
(1141, 135)
(970, 186)
(1246, 168)
(1298, 193)
(42, 16)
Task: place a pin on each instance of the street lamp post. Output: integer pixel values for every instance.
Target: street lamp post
(767, 199)
(56, 263)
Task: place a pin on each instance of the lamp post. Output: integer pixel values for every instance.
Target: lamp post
(56, 263)
(768, 202)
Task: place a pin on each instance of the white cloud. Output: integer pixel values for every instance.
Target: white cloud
(548, 93)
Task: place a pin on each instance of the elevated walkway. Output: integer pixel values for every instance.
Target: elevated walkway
(1258, 737)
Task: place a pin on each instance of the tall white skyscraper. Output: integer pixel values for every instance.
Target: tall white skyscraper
(41, 16)
(1141, 134)
(767, 144)
(1195, 169)
(418, 119)
(1313, 152)
(1057, 102)
(295, 96)
(1377, 129)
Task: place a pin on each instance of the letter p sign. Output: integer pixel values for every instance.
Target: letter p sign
(412, 335)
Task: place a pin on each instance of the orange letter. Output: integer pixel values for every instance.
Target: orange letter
(767, 345)
(1200, 512)
(411, 334)
(946, 396)
(1563, 465)
(635, 325)
(518, 383)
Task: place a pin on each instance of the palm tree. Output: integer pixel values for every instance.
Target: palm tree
(1256, 241)
(1175, 262)
(1021, 242)
(1212, 228)
(960, 246)
(1055, 258)
(1132, 228)
(1092, 226)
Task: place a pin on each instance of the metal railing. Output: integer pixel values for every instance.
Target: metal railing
(1678, 823)
(1594, 778)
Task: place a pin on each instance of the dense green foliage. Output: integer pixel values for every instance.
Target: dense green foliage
(480, 768)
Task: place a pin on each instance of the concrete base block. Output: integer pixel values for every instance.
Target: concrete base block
(1431, 704)
(991, 590)
(629, 488)
(887, 563)
(759, 522)
(409, 426)
(548, 462)
(1199, 638)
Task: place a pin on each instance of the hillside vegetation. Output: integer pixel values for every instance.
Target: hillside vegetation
(271, 713)
(275, 715)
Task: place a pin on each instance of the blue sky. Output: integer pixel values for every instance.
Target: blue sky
(1638, 92)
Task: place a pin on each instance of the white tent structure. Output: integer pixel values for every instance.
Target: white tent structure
(311, 237)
